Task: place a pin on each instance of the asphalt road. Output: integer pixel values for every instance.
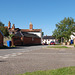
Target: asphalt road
(36, 58)
(19, 49)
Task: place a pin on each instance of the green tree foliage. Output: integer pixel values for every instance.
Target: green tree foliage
(11, 35)
(64, 28)
(42, 34)
(3, 29)
(1, 24)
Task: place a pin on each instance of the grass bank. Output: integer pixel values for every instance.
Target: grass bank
(57, 47)
(61, 71)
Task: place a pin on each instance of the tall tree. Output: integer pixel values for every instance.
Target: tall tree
(64, 29)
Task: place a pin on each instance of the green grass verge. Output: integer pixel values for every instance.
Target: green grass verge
(57, 47)
(61, 71)
(57, 44)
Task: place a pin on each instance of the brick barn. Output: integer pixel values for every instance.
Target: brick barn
(31, 30)
(1, 39)
(25, 38)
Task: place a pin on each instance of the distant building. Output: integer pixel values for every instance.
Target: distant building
(1, 39)
(48, 39)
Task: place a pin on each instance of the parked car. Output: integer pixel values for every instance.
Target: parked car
(52, 43)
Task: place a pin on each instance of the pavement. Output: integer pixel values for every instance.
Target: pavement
(33, 58)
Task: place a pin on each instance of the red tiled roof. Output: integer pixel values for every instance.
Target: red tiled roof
(29, 30)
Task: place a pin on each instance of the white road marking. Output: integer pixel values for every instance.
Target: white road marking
(4, 57)
(0, 56)
(19, 53)
(7, 55)
(13, 55)
(10, 55)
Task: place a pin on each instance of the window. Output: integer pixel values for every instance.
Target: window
(32, 39)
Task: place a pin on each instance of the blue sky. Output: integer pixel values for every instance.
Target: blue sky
(43, 14)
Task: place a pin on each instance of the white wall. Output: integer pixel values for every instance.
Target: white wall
(72, 36)
(38, 34)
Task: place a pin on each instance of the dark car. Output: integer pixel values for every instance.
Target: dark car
(45, 43)
(52, 43)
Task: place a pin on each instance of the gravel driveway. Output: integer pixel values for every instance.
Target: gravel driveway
(39, 59)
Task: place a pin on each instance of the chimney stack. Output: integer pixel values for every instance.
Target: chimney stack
(31, 26)
(9, 25)
(13, 27)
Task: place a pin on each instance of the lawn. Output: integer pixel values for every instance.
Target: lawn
(57, 47)
(61, 71)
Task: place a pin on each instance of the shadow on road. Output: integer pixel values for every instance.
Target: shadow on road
(18, 47)
(2, 61)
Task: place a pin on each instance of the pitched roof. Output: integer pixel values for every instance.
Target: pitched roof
(6, 27)
(48, 37)
(18, 34)
(29, 30)
(26, 34)
(15, 30)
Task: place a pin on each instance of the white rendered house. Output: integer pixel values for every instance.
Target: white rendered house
(48, 39)
(72, 36)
